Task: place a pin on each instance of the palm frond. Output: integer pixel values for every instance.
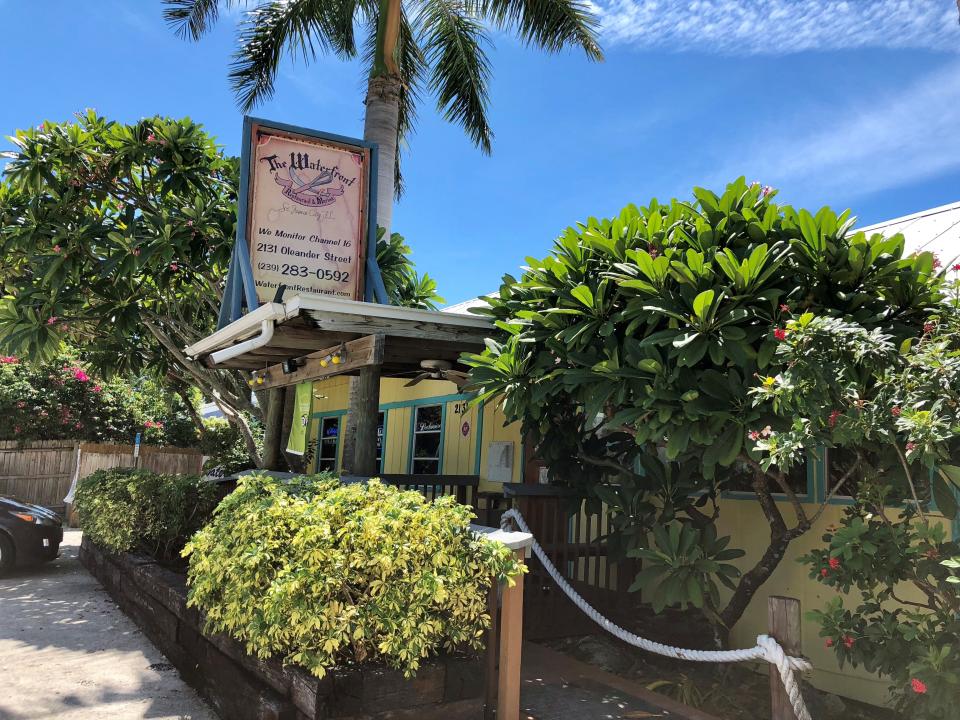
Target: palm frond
(454, 41)
(548, 24)
(297, 27)
(191, 19)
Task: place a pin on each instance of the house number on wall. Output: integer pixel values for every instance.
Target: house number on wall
(460, 408)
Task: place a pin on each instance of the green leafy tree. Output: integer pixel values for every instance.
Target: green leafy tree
(116, 238)
(888, 414)
(637, 343)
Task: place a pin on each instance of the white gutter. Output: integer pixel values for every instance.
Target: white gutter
(265, 336)
(242, 329)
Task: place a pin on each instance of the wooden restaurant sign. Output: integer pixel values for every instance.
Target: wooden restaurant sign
(307, 208)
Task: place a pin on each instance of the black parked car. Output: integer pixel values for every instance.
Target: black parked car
(28, 534)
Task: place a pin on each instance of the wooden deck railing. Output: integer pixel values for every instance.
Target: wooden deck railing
(463, 487)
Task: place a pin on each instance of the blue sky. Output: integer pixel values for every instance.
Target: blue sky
(849, 104)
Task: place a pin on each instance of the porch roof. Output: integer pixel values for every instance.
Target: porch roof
(309, 323)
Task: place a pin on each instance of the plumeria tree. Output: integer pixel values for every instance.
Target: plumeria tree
(117, 238)
(888, 414)
(636, 356)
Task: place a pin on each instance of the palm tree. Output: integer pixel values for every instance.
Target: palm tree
(409, 47)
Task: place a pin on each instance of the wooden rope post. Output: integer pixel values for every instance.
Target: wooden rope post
(511, 648)
(511, 628)
(783, 618)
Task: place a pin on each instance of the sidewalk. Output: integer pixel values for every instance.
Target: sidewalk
(67, 652)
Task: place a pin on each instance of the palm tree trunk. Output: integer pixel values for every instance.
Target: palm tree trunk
(380, 127)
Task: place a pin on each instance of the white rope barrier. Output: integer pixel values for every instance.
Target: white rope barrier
(767, 648)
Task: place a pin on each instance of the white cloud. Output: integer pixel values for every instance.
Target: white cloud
(893, 139)
(777, 27)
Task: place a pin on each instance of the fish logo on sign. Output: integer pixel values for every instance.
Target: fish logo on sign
(293, 177)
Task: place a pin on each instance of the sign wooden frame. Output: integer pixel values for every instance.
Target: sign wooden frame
(255, 128)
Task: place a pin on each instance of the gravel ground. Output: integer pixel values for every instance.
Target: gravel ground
(68, 652)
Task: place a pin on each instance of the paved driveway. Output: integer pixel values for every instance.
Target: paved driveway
(67, 652)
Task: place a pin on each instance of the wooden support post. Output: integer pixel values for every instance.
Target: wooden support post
(367, 409)
(273, 430)
(490, 658)
(511, 647)
(783, 619)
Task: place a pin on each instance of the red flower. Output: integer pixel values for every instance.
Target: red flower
(754, 434)
(834, 563)
(174, 266)
(832, 420)
(784, 308)
(895, 410)
(911, 446)
(936, 263)
(51, 320)
(956, 267)
(80, 375)
(918, 686)
(848, 641)
(823, 573)
(928, 328)
(780, 334)
(8, 360)
(829, 642)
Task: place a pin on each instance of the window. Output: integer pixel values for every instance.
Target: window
(427, 436)
(739, 478)
(328, 445)
(380, 429)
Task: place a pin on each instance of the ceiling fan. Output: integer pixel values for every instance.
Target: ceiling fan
(439, 370)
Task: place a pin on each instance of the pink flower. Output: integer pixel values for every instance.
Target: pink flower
(911, 446)
(56, 249)
(754, 434)
(135, 252)
(21, 404)
(151, 138)
(51, 320)
(766, 190)
(780, 334)
(896, 411)
(834, 563)
(918, 686)
(174, 266)
(829, 642)
(832, 420)
(97, 388)
(936, 262)
(78, 425)
(17, 429)
(928, 328)
(80, 375)
(823, 572)
(784, 308)
(8, 360)
(189, 223)
(848, 641)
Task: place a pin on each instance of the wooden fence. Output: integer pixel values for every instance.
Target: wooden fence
(574, 538)
(41, 472)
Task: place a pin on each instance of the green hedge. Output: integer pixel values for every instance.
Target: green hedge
(323, 574)
(124, 509)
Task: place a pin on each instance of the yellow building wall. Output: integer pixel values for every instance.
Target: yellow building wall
(741, 518)
(467, 428)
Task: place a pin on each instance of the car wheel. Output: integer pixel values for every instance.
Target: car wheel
(6, 554)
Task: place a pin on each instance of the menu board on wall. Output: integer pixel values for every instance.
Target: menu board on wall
(306, 214)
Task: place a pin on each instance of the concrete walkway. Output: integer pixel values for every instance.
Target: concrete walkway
(68, 652)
